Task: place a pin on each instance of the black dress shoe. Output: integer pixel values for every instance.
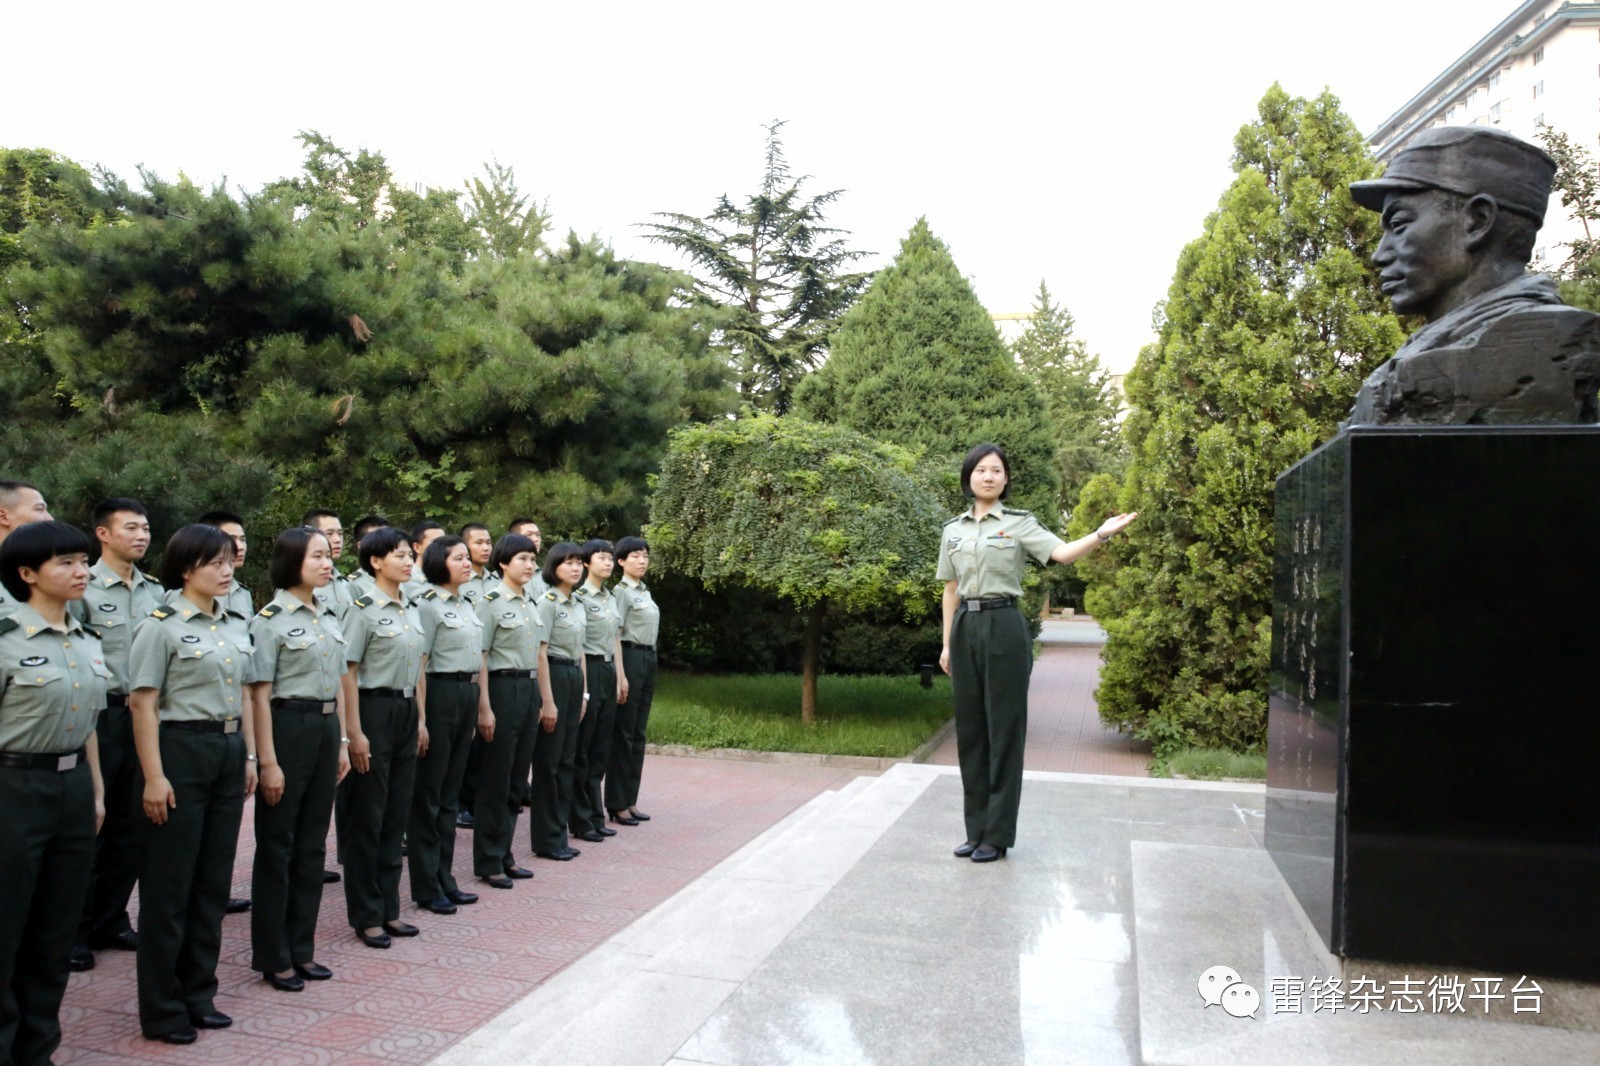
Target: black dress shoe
(331, 877)
(380, 941)
(965, 850)
(238, 906)
(497, 881)
(80, 960)
(639, 815)
(518, 873)
(623, 818)
(313, 971)
(605, 831)
(215, 1020)
(400, 929)
(464, 820)
(592, 836)
(988, 853)
(442, 905)
(292, 983)
(185, 1035)
(564, 855)
(127, 940)
(460, 898)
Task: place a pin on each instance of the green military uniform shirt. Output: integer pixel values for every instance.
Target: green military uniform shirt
(8, 606)
(600, 619)
(452, 632)
(299, 649)
(511, 631)
(199, 661)
(638, 617)
(337, 594)
(360, 583)
(986, 558)
(562, 624)
(476, 587)
(113, 607)
(52, 685)
(385, 637)
(238, 600)
(416, 584)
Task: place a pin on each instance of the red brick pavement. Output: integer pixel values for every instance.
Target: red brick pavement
(410, 1002)
(1064, 729)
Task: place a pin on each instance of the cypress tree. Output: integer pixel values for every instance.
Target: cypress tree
(1273, 319)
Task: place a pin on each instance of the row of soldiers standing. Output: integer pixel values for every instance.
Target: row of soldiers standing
(542, 673)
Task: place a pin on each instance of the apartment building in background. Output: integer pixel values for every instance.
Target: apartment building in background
(1540, 66)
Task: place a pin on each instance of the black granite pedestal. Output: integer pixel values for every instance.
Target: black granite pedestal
(1433, 782)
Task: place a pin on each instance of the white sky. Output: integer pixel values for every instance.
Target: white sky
(1076, 143)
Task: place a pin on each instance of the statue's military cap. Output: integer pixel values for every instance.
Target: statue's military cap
(1470, 161)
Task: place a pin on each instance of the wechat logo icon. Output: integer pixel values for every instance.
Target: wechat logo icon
(1222, 986)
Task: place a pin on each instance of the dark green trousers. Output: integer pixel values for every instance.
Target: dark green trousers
(567, 764)
(506, 759)
(116, 850)
(471, 776)
(628, 738)
(185, 877)
(593, 753)
(991, 656)
(292, 841)
(377, 808)
(547, 822)
(452, 716)
(46, 852)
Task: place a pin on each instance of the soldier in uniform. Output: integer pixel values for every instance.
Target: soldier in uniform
(422, 534)
(988, 651)
(384, 645)
(53, 682)
(20, 504)
(117, 599)
(561, 701)
(188, 667)
(511, 644)
(638, 622)
(360, 581)
(455, 705)
(530, 529)
(337, 594)
(606, 682)
(299, 719)
(480, 548)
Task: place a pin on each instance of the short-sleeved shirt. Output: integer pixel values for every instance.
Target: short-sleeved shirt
(986, 557)
(600, 619)
(638, 617)
(199, 661)
(113, 607)
(416, 584)
(511, 632)
(476, 587)
(238, 600)
(452, 632)
(385, 637)
(52, 684)
(337, 594)
(8, 605)
(360, 583)
(562, 624)
(299, 649)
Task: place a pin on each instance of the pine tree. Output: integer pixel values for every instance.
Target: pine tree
(1078, 395)
(918, 362)
(1273, 319)
(780, 277)
(500, 212)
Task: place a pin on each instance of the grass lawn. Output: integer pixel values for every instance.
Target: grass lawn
(879, 716)
(1213, 764)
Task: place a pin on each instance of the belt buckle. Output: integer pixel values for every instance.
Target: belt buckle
(329, 707)
(66, 762)
(406, 693)
(230, 725)
(974, 605)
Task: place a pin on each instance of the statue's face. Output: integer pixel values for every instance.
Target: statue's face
(1422, 259)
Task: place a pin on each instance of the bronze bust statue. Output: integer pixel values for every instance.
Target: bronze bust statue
(1461, 208)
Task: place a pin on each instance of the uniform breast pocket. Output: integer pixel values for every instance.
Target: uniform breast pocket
(111, 620)
(513, 622)
(963, 555)
(292, 645)
(34, 693)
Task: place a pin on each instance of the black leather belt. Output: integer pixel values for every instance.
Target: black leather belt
(561, 660)
(116, 699)
(455, 675)
(227, 725)
(592, 656)
(636, 644)
(391, 693)
(993, 604)
(304, 706)
(59, 763)
(512, 673)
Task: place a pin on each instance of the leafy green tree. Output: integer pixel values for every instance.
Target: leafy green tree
(505, 221)
(1577, 181)
(819, 515)
(779, 275)
(1081, 401)
(918, 362)
(1273, 319)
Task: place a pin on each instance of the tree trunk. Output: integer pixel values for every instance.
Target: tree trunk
(808, 670)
